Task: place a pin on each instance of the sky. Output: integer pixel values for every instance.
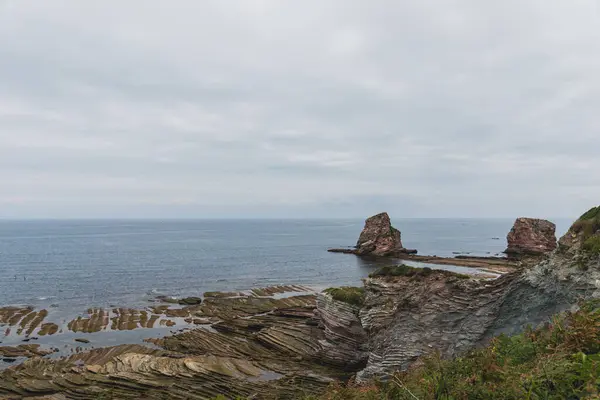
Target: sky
(311, 109)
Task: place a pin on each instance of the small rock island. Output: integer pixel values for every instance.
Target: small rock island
(378, 238)
(531, 236)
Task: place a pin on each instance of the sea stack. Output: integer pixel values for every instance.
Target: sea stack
(531, 236)
(379, 237)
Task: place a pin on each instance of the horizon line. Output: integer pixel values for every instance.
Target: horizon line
(12, 219)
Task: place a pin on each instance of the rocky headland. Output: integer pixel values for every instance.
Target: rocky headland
(287, 342)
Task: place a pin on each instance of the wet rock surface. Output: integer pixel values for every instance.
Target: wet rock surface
(24, 350)
(531, 236)
(257, 344)
(22, 320)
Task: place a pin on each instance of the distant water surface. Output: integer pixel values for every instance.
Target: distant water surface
(78, 264)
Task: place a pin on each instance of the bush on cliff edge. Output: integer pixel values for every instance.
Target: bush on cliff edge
(351, 295)
(559, 361)
(588, 224)
(405, 270)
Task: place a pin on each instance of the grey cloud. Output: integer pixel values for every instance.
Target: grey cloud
(270, 108)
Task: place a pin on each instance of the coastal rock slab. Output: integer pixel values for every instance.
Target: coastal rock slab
(531, 236)
(24, 350)
(260, 347)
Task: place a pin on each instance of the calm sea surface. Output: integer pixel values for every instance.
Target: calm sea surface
(78, 264)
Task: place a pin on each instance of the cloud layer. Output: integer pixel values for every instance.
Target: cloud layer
(275, 108)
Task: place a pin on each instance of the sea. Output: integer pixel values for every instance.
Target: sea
(77, 264)
(67, 267)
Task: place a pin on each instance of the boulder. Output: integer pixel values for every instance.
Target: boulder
(531, 236)
(190, 301)
(379, 237)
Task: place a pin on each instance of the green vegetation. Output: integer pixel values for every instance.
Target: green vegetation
(558, 361)
(592, 213)
(405, 270)
(350, 295)
(589, 226)
(400, 270)
(592, 245)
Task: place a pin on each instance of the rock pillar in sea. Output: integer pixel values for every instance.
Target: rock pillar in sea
(379, 237)
(531, 236)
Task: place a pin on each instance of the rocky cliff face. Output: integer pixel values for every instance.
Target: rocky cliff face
(408, 316)
(531, 236)
(345, 338)
(379, 237)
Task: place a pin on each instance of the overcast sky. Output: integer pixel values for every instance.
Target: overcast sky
(186, 108)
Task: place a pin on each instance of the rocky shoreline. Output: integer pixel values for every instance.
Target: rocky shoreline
(289, 341)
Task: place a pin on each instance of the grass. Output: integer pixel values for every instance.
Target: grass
(559, 361)
(592, 213)
(350, 295)
(587, 227)
(592, 245)
(588, 223)
(405, 270)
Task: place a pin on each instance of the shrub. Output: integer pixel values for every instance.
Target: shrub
(405, 270)
(592, 213)
(592, 245)
(588, 223)
(350, 295)
(400, 270)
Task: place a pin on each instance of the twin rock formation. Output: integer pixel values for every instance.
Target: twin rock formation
(528, 236)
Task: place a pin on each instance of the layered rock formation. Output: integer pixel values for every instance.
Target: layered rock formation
(410, 315)
(262, 344)
(24, 350)
(345, 338)
(530, 236)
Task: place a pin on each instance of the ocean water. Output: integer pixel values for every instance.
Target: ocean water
(79, 264)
